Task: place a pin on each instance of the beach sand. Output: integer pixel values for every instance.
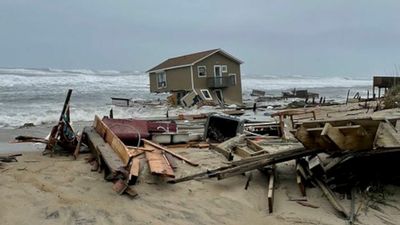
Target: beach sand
(59, 190)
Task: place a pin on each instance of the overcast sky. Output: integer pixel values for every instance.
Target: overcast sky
(281, 37)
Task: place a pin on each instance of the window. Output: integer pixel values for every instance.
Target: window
(233, 78)
(206, 94)
(202, 71)
(224, 68)
(161, 80)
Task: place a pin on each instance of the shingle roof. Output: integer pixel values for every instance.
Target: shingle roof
(187, 60)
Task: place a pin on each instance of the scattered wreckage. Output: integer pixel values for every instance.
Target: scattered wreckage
(335, 155)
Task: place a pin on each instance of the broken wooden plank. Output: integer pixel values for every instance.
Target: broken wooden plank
(386, 137)
(171, 160)
(170, 152)
(272, 159)
(307, 204)
(158, 163)
(253, 145)
(116, 144)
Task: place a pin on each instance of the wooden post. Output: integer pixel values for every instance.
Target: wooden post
(347, 98)
(111, 114)
(271, 190)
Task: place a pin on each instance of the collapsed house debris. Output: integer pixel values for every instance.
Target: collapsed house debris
(327, 158)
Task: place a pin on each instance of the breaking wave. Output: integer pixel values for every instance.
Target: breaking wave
(36, 95)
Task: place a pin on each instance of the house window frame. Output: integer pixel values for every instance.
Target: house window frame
(205, 71)
(224, 69)
(209, 94)
(235, 80)
(164, 76)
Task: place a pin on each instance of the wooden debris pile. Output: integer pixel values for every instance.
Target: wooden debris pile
(122, 164)
(337, 156)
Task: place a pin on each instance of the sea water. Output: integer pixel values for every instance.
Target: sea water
(37, 95)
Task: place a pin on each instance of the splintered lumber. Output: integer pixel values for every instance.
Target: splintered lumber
(271, 185)
(226, 147)
(158, 163)
(251, 163)
(170, 152)
(103, 149)
(272, 159)
(200, 175)
(116, 144)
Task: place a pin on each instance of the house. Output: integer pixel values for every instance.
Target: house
(212, 75)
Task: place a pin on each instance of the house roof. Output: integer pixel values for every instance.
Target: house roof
(189, 60)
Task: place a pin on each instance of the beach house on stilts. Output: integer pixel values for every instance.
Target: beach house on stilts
(212, 76)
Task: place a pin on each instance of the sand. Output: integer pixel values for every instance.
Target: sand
(59, 190)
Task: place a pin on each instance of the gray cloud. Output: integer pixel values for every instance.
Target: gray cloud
(272, 37)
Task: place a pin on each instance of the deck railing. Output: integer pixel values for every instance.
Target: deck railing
(221, 82)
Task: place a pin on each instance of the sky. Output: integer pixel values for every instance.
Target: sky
(274, 37)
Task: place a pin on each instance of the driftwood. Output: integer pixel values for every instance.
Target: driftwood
(9, 158)
(22, 139)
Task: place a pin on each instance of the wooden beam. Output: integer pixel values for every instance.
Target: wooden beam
(331, 197)
(170, 152)
(104, 150)
(108, 135)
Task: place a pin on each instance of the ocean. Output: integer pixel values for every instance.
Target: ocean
(37, 95)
